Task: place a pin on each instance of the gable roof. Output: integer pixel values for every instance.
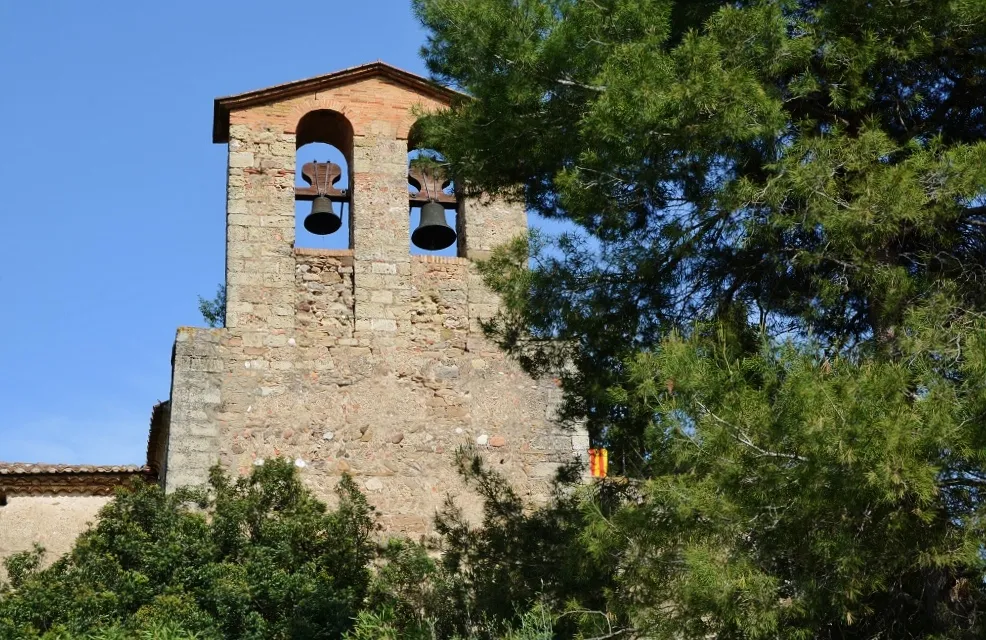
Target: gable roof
(378, 69)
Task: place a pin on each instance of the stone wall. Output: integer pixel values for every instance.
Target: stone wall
(485, 223)
(54, 522)
(390, 412)
(193, 432)
(324, 289)
(260, 229)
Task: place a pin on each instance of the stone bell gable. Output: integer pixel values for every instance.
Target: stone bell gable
(368, 360)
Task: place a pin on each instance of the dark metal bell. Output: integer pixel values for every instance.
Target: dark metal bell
(322, 220)
(433, 233)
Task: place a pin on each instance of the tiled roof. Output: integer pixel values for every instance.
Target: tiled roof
(32, 479)
(22, 468)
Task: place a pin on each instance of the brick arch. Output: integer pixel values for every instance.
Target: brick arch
(303, 107)
(367, 117)
(405, 129)
(414, 142)
(411, 135)
(328, 126)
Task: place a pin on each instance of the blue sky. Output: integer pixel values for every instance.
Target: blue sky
(113, 194)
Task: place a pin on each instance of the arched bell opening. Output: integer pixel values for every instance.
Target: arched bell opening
(323, 181)
(433, 205)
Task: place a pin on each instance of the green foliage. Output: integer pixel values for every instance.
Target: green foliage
(819, 163)
(795, 493)
(773, 311)
(378, 625)
(214, 311)
(156, 632)
(521, 572)
(518, 557)
(536, 624)
(408, 591)
(21, 565)
(255, 557)
(259, 557)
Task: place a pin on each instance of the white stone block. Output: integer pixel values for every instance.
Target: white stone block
(383, 324)
(240, 159)
(384, 268)
(384, 297)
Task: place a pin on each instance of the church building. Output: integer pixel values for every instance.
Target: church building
(368, 359)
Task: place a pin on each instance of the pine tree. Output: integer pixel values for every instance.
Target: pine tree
(774, 311)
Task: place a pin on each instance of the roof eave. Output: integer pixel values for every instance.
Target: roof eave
(224, 106)
(75, 480)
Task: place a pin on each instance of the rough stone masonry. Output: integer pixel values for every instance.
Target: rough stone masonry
(369, 361)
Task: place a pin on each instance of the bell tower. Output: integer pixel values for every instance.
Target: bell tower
(366, 360)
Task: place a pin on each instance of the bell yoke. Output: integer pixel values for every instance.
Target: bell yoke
(322, 176)
(433, 232)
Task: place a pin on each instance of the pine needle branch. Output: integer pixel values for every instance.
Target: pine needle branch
(744, 439)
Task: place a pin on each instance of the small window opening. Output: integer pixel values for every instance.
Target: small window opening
(432, 192)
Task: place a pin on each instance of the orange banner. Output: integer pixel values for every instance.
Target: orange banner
(598, 462)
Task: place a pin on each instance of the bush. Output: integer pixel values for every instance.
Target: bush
(258, 557)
